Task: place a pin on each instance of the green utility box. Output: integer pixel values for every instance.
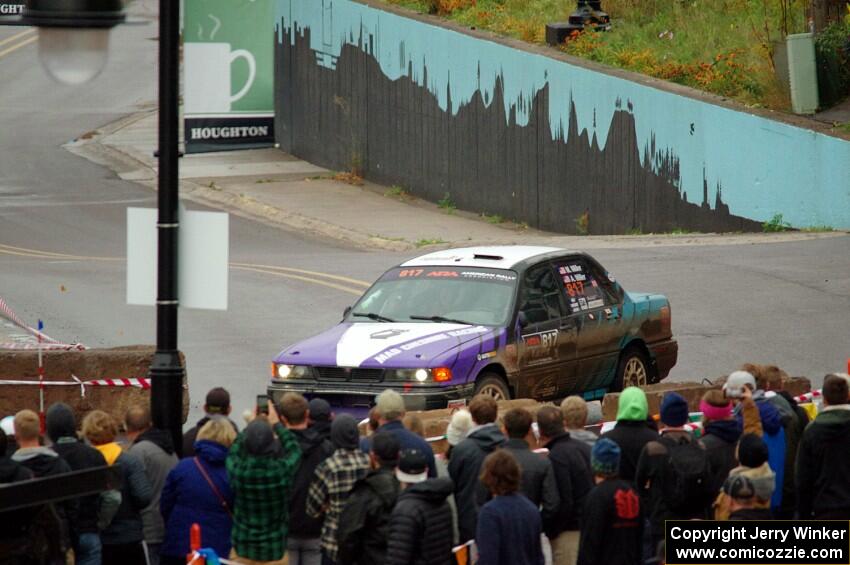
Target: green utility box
(802, 73)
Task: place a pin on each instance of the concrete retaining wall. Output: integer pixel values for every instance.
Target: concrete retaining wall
(533, 135)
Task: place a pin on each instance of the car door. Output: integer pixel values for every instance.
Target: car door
(596, 310)
(545, 345)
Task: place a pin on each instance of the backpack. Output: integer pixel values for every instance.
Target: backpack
(687, 476)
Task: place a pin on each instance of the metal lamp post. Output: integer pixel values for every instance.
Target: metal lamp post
(73, 44)
(166, 370)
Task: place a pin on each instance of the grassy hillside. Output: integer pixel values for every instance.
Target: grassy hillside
(720, 46)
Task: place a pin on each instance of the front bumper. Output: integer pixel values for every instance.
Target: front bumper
(665, 353)
(358, 398)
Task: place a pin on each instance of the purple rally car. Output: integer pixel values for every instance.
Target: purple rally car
(511, 322)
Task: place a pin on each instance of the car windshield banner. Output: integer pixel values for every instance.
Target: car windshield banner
(228, 73)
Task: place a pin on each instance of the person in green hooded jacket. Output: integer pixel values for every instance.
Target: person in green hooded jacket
(633, 430)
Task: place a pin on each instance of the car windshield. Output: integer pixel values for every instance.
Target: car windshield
(439, 294)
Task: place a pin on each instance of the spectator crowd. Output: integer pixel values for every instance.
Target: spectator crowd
(299, 485)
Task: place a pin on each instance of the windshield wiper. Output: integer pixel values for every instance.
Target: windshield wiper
(373, 316)
(441, 319)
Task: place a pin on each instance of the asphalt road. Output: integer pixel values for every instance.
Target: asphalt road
(51, 200)
(772, 303)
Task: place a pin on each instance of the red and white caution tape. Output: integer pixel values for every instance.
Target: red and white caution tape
(137, 383)
(142, 383)
(44, 346)
(809, 396)
(47, 341)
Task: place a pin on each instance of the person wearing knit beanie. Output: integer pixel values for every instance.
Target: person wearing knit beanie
(674, 410)
(658, 471)
(458, 427)
(333, 480)
(612, 520)
(752, 451)
(344, 432)
(753, 455)
(605, 458)
(720, 433)
(62, 431)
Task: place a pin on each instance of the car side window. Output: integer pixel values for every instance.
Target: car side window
(540, 295)
(583, 287)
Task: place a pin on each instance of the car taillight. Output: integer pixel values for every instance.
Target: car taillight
(665, 319)
(441, 374)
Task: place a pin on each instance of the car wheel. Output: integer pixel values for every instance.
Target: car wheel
(633, 369)
(492, 385)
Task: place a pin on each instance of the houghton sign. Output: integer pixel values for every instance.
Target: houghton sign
(11, 8)
(228, 74)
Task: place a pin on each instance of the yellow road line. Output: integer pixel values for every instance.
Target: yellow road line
(17, 36)
(36, 254)
(286, 272)
(357, 282)
(349, 290)
(18, 46)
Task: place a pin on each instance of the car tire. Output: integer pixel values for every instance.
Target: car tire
(633, 369)
(492, 385)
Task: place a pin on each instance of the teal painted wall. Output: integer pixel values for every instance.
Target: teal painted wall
(765, 167)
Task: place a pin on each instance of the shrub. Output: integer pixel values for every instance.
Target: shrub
(832, 49)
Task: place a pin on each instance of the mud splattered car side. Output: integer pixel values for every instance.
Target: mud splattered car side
(511, 322)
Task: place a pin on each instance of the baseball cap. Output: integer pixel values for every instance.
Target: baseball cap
(218, 401)
(740, 487)
(412, 467)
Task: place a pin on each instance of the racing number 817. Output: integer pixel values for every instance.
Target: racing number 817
(575, 288)
(410, 273)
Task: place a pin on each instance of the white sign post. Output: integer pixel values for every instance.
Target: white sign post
(204, 254)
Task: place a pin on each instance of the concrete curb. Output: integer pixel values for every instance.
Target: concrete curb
(130, 168)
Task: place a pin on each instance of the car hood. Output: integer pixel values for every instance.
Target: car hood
(386, 345)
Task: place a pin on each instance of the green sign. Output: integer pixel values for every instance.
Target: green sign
(228, 73)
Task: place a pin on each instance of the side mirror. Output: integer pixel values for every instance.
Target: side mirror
(346, 312)
(522, 319)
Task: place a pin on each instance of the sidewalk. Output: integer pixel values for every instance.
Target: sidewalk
(274, 187)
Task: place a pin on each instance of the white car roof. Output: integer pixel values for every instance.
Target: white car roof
(496, 257)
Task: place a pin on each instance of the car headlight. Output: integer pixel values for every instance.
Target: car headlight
(284, 371)
(440, 374)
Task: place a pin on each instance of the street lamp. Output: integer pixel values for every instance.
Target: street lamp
(73, 35)
(73, 41)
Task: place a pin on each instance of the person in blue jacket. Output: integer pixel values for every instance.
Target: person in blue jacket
(509, 526)
(741, 386)
(197, 490)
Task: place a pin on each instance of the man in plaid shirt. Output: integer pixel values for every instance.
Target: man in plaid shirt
(261, 466)
(335, 477)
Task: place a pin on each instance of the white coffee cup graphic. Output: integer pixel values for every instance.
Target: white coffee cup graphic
(207, 69)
